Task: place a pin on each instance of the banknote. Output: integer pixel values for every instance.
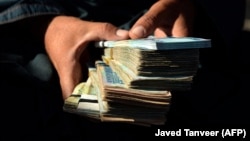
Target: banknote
(104, 97)
(155, 63)
(152, 43)
(131, 80)
(83, 101)
(128, 105)
(111, 81)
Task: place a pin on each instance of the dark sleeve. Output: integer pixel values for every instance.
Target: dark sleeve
(30, 18)
(15, 10)
(11, 11)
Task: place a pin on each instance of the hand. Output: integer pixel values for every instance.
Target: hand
(66, 39)
(165, 18)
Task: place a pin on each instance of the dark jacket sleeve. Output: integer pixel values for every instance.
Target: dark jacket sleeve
(14, 10)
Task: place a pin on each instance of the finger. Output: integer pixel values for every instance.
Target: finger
(160, 33)
(183, 25)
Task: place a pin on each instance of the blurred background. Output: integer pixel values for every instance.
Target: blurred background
(247, 20)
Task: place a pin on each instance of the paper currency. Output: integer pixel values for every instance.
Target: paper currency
(151, 83)
(133, 81)
(114, 86)
(155, 63)
(85, 104)
(170, 66)
(168, 43)
(120, 104)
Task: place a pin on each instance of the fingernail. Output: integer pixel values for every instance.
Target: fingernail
(121, 32)
(139, 31)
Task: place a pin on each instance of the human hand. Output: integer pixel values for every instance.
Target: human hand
(66, 39)
(165, 18)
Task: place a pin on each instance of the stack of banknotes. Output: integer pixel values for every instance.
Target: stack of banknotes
(165, 63)
(133, 81)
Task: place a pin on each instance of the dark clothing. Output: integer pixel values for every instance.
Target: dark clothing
(32, 102)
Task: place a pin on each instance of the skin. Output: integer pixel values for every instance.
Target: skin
(66, 38)
(165, 18)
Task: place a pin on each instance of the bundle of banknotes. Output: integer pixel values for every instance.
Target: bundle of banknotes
(155, 63)
(133, 81)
